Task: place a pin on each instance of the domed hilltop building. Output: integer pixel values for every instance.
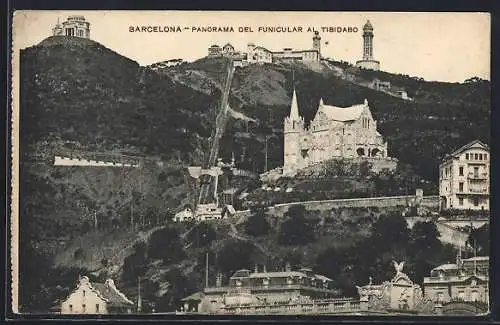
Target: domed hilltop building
(73, 26)
(334, 133)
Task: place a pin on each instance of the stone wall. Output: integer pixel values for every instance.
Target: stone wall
(451, 235)
(430, 202)
(66, 161)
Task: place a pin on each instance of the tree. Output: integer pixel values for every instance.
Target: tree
(257, 224)
(235, 255)
(179, 287)
(165, 244)
(480, 238)
(297, 230)
(202, 235)
(135, 265)
(389, 231)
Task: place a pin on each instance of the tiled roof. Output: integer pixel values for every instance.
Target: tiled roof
(468, 145)
(445, 267)
(114, 297)
(282, 274)
(343, 114)
(195, 296)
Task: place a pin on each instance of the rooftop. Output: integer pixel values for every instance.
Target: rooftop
(342, 114)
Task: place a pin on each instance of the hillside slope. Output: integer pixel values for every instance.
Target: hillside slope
(78, 90)
(442, 117)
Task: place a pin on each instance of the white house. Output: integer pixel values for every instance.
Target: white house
(464, 178)
(96, 298)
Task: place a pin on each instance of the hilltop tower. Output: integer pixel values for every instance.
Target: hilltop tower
(293, 129)
(368, 62)
(317, 43)
(57, 30)
(368, 41)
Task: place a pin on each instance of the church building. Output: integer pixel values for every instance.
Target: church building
(334, 133)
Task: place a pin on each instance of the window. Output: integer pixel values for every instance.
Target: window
(83, 308)
(476, 171)
(475, 295)
(461, 171)
(476, 201)
(485, 156)
(461, 201)
(461, 295)
(466, 156)
(83, 293)
(476, 156)
(460, 187)
(480, 156)
(97, 308)
(70, 308)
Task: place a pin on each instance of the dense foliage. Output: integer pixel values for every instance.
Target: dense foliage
(298, 229)
(372, 257)
(257, 224)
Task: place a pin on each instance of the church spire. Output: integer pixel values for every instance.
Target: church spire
(294, 110)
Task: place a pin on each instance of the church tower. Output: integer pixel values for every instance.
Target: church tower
(317, 42)
(293, 129)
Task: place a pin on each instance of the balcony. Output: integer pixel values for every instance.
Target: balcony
(478, 176)
(333, 306)
(478, 190)
(272, 287)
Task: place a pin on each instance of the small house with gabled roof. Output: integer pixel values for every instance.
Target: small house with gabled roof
(96, 298)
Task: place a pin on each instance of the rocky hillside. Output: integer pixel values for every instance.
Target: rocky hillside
(442, 116)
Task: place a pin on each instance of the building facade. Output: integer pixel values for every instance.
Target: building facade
(303, 292)
(464, 178)
(466, 280)
(74, 26)
(334, 133)
(368, 62)
(214, 50)
(259, 54)
(261, 287)
(96, 298)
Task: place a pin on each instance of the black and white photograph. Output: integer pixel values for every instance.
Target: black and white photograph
(250, 163)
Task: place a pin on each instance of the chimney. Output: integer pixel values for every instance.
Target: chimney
(265, 268)
(288, 267)
(256, 269)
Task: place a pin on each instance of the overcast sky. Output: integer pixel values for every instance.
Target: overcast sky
(436, 46)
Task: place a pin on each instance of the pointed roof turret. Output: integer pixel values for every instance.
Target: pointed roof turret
(294, 110)
(368, 27)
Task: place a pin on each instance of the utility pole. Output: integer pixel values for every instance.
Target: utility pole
(265, 161)
(206, 271)
(139, 299)
(475, 258)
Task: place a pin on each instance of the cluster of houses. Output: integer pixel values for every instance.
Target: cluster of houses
(260, 54)
(302, 291)
(165, 64)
